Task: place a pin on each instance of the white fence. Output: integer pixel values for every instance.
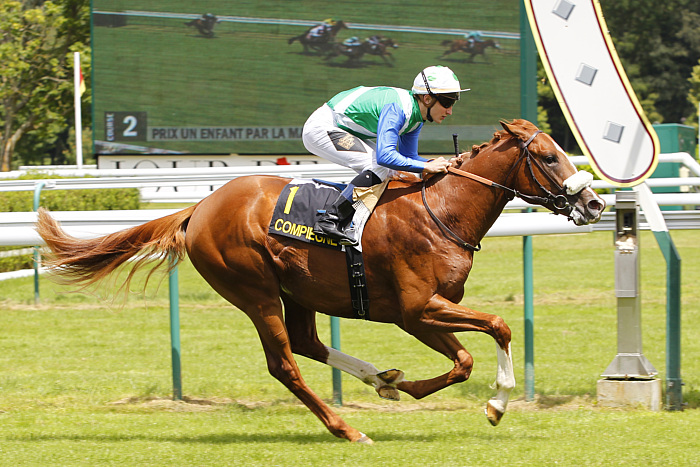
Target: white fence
(193, 184)
(190, 185)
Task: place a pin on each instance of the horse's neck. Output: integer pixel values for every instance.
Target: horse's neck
(474, 205)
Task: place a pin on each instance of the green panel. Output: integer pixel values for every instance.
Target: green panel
(673, 137)
(676, 138)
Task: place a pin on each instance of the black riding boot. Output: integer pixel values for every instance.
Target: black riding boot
(332, 222)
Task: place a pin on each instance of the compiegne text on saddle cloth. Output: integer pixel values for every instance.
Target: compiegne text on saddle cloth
(297, 211)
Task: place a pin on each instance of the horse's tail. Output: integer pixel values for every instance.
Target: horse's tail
(295, 38)
(86, 262)
(447, 42)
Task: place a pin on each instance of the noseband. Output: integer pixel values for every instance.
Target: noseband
(559, 201)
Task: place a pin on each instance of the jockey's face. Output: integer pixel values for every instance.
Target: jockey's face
(438, 111)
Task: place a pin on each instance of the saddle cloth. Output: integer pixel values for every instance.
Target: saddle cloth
(297, 210)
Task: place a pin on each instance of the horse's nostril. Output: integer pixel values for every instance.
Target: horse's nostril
(595, 206)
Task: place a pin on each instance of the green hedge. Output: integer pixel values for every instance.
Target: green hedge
(62, 200)
(72, 200)
(14, 263)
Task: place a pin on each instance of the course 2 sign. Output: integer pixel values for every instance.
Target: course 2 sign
(593, 90)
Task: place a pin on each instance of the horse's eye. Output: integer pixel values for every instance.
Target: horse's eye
(550, 159)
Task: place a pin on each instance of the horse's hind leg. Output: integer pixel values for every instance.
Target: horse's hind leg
(257, 295)
(281, 364)
(301, 326)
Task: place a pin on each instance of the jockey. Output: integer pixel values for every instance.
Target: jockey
(374, 131)
(472, 37)
(353, 41)
(374, 41)
(321, 30)
(209, 20)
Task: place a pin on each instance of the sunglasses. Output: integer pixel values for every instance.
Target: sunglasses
(445, 101)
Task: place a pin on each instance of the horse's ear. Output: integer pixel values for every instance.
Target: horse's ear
(514, 130)
(506, 126)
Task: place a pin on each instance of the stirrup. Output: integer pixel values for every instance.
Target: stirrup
(330, 229)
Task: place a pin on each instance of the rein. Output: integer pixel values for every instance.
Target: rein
(560, 202)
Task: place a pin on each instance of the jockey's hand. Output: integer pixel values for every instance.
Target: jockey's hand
(434, 166)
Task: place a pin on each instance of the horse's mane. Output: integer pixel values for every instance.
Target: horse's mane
(498, 136)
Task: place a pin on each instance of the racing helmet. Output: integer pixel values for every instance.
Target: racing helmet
(437, 79)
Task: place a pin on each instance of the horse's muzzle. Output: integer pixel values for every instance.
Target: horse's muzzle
(588, 208)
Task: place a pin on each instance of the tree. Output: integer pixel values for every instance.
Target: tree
(694, 95)
(658, 44)
(36, 68)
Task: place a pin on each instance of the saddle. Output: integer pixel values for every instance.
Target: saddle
(301, 202)
(296, 212)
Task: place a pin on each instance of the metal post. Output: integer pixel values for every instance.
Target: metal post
(37, 255)
(674, 383)
(175, 333)
(655, 219)
(337, 376)
(629, 363)
(529, 318)
(528, 111)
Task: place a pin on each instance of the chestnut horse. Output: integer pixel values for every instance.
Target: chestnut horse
(477, 48)
(418, 248)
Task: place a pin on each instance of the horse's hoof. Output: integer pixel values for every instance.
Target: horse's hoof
(364, 439)
(391, 376)
(389, 392)
(493, 414)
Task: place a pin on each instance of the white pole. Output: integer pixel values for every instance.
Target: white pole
(78, 117)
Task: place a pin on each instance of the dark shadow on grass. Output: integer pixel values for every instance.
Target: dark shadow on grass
(217, 439)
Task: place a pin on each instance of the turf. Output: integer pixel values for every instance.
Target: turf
(83, 382)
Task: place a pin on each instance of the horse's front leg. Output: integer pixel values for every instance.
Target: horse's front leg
(448, 345)
(440, 314)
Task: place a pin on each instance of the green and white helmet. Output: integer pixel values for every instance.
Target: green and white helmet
(437, 80)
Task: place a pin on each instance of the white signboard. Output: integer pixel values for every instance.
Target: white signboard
(593, 90)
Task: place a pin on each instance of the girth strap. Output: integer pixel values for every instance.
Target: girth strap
(358, 283)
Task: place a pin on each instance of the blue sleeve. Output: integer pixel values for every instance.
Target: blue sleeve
(394, 151)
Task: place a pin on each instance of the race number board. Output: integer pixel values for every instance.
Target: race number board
(593, 90)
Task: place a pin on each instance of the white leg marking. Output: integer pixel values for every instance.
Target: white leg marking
(505, 379)
(365, 372)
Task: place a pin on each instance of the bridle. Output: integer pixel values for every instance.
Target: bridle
(560, 201)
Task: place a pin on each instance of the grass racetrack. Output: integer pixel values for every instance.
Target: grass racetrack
(84, 382)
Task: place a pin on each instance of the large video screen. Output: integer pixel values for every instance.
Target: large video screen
(223, 77)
